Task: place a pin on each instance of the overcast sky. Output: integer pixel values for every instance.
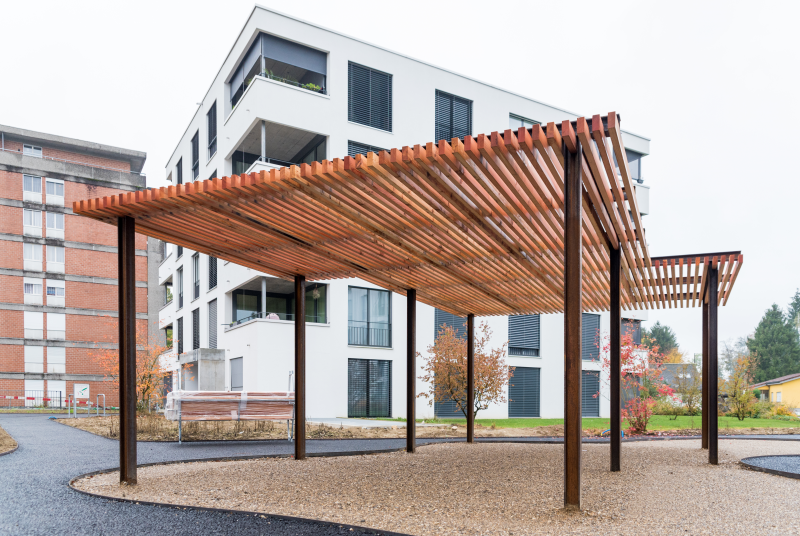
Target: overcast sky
(713, 85)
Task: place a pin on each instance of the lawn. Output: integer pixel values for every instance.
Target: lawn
(658, 422)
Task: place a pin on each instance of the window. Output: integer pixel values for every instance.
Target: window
(55, 220)
(33, 288)
(179, 277)
(354, 148)
(195, 329)
(778, 396)
(369, 388)
(247, 305)
(211, 123)
(32, 184)
(180, 252)
(56, 362)
(633, 328)
(55, 291)
(179, 172)
(369, 97)
(196, 274)
(167, 293)
(55, 254)
(237, 374)
(369, 317)
(523, 335)
(458, 323)
(453, 116)
(34, 359)
(32, 218)
(56, 326)
(590, 393)
(168, 336)
(212, 324)
(213, 175)
(180, 335)
(524, 390)
(32, 150)
(55, 188)
(590, 337)
(196, 155)
(32, 252)
(212, 272)
(515, 121)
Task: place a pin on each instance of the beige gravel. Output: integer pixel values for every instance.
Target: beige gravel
(6, 441)
(665, 487)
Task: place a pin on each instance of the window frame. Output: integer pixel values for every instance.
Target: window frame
(31, 150)
(351, 112)
(33, 287)
(55, 182)
(56, 219)
(521, 350)
(195, 155)
(50, 248)
(523, 119)
(452, 98)
(179, 282)
(179, 171)
(195, 276)
(368, 321)
(27, 211)
(33, 247)
(26, 176)
(212, 274)
(211, 130)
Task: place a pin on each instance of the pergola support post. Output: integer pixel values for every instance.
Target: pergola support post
(470, 378)
(411, 370)
(713, 422)
(615, 365)
(126, 264)
(573, 309)
(704, 387)
(299, 367)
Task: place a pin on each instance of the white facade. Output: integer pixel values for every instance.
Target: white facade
(292, 114)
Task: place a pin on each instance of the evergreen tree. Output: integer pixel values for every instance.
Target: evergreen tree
(775, 345)
(662, 336)
(793, 314)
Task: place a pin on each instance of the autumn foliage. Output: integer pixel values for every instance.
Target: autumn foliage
(445, 369)
(150, 365)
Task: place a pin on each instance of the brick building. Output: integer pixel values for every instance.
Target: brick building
(58, 271)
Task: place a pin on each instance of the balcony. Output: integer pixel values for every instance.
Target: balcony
(286, 317)
(273, 300)
(369, 334)
(269, 145)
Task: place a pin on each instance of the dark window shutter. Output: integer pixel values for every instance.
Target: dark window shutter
(523, 335)
(212, 324)
(369, 97)
(212, 130)
(196, 155)
(179, 172)
(354, 148)
(590, 337)
(195, 329)
(524, 392)
(369, 388)
(590, 386)
(212, 272)
(180, 335)
(453, 116)
(456, 322)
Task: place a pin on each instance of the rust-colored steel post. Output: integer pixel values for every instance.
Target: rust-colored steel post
(713, 422)
(299, 367)
(470, 378)
(704, 372)
(411, 370)
(573, 308)
(616, 370)
(126, 266)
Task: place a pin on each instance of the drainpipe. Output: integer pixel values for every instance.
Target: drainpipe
(263, 141)
(264, 297)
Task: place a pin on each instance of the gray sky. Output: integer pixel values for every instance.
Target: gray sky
(713, 84)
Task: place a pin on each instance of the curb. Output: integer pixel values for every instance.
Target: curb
(752, 467)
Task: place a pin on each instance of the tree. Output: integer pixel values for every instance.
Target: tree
(674, 356)
(731, 352)
(150, 364)
(775, 345)
(445, 369)
(660, 336)
(793, 312)
(642, 375)
(689, 388)
(741, 397)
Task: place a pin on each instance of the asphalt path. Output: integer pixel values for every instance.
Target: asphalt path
(35, 497)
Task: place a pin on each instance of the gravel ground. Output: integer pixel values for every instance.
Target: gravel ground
(665, 487)
(787, 464)
(6, 441)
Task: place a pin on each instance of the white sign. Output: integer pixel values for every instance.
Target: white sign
(81, 390)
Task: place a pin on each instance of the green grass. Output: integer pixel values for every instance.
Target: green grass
(34, 410)
(658, 422)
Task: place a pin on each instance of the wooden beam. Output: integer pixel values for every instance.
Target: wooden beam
(704, 394)
(470, 378)
(573, 310)
(126, 273)
(615, 363)
(299, 367)
(411, 370)
(713, 421)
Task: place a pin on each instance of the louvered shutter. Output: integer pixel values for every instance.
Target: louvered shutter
(590, 393)
(180, 335)
(590, 337)
(462, 117)
(523, 335)
(212, 324)
(453, 116)
(195, 329)
(354, 148)
(456, 322)
(443, 107)
(212, 272)
(524, 391)
(369, 388)
(369, 97)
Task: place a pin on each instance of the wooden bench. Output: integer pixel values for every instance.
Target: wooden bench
(230, 406)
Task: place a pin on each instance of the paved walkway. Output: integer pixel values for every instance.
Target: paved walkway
(36, 499)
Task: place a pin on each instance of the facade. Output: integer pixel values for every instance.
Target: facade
(58, 271)
(785, 389)
(290, 92)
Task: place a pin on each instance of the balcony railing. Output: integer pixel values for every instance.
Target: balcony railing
(80, 163)
(318, 319)
(369, 333)
(309, 87)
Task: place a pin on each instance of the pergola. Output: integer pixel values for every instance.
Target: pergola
(538, 220)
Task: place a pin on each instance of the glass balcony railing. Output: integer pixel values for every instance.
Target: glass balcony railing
(369, 333)
(317, 319)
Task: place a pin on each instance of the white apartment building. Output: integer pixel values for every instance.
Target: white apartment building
(291, 92)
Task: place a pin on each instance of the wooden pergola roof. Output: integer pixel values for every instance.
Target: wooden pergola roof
(475, 225)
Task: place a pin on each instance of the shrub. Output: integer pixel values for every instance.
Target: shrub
(782, 410)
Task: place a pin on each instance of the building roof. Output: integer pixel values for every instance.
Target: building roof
(776, 381)
(475, 225)
(136, 158)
